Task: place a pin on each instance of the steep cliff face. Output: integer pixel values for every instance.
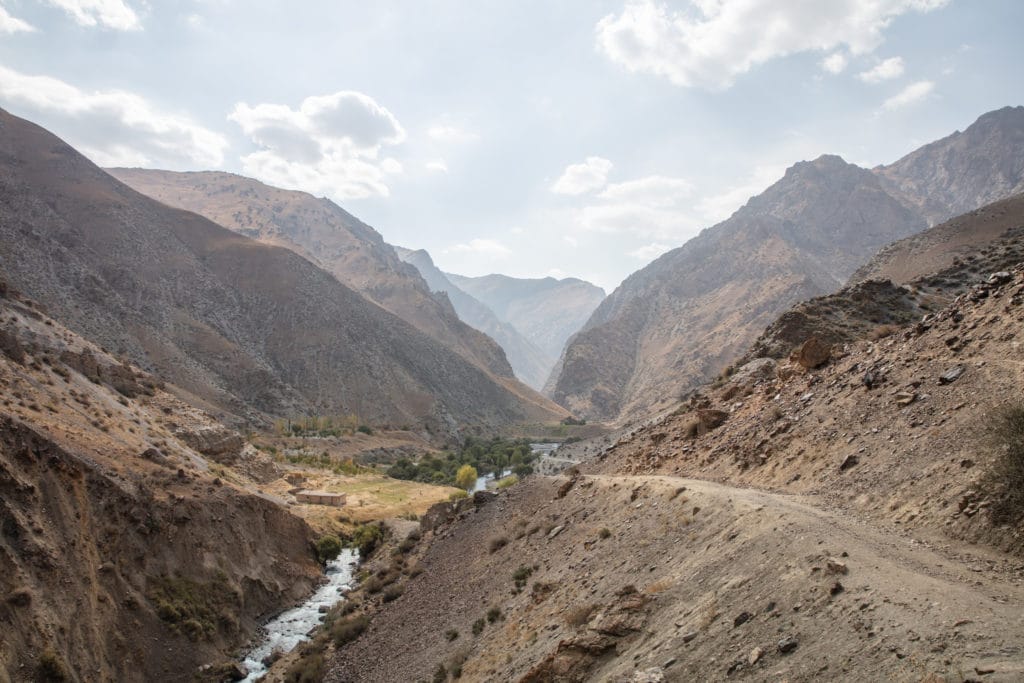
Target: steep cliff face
(125, 555)
(685, 316)
(690, 313)
(328, 236)
(249, 328)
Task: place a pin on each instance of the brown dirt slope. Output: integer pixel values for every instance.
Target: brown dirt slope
(789, 524)
(972, 237)
(325, 234)
(126, 554)
(250, 328)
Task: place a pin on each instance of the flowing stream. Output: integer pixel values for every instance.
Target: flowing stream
(292, 627)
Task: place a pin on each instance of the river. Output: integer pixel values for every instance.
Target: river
(292, 627)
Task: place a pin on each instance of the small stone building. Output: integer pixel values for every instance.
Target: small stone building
(321, 498)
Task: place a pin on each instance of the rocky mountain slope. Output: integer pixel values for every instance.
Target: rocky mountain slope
(687, 315)
(328, 236)
(545, 310)
(131, 546)
(247, 328)
(529, 362)
(906, 281)
(964, 170)
(662, 560)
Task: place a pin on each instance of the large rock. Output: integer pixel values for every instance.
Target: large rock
(814, 353)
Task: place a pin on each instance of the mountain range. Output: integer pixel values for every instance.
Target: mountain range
(690, 313)
(249, 329)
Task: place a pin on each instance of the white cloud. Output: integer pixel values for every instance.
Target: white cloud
(649, 252)
(716, 208)
(655, 190)
(9, 24)
(883, 71)
(112, 127)
(330, 145)
(437, 166)
(914, 92)
(481, 247)
(835, 63)
(712, 42)
(451, 134)
(109, 13)
(587, 176)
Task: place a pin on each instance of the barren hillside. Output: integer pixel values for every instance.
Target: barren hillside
(249, 328)
(325, 234)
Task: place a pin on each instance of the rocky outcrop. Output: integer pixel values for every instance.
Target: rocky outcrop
(693, 311)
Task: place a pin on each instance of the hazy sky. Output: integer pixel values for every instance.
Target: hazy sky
(561, 137)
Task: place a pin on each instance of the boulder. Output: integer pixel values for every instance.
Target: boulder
(813, 354)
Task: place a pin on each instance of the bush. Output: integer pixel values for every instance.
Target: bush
(366, 538)
(308, 669)
(440, 674)
(497, 543)
(348, 629)
(520, 575)
(363, 429)
(393, 593)
(493, 614)
(605, 533)
(506, 482)
(51, 667)
(457, 495)
(578, 616)
(451, 634)
(478, 627)
(1005, 439)
(466, 477)
(196, 609)
(327, 548)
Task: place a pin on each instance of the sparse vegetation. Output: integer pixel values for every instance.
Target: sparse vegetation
(1005, 440)
(497, 543)
(605, 533)
(308, 669)
(478, 627)
(451, 634)
(196, 609)
(457, 495)
(493, 614)
(520, 576)
(506, 482)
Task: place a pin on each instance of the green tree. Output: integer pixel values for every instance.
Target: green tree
(465, 478)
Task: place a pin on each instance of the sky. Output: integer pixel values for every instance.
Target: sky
(529, 137)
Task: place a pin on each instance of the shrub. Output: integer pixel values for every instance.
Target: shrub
(392, 593)
(497, 543)
(478, 627)
(1005, 439)
(440, 674)
(466, 477)
(346, 630)
(363, 429)
(451, 634)
(366, 538)
(520, 575)
(309, 669)
(578, 616)
(195, 609)
(327, 548)
(51, 667)
(605, 533)
(493, 614)
(457, 495)
(508, 481)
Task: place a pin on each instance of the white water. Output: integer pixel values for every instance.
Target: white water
(482, 482)
(292, 627)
